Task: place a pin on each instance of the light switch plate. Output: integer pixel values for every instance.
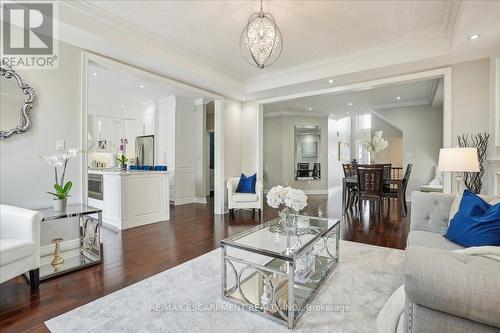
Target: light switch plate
(60, 144)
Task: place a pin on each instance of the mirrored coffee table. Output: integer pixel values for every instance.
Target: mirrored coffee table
(277, 272)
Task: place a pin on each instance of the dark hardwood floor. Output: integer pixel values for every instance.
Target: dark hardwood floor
(135, 254)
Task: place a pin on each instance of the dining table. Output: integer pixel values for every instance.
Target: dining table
(392, 181)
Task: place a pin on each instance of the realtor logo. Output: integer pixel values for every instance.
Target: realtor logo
(28, 34)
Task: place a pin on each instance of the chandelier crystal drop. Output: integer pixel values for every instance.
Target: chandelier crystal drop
(261, 42)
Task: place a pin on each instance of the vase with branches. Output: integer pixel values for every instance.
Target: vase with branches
(473, 180)
(62, 188)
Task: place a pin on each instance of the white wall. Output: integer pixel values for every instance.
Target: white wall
(248, 133)
(232, 122)
(338, 131)
(285, 127)
(471, 104)
(56, 114)
(273, 152)
(394, 152)
(184, 150)
(165, 132)
(24, 177)
(200, 151)
(422, 128)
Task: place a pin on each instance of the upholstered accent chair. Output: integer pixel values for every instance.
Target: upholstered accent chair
(19, 243)
(244, 200)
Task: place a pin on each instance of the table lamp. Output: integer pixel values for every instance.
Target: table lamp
(458, 160)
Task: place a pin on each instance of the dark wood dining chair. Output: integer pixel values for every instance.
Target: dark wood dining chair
(316, 172)
(302, 169)
(370, 184)
(387, 174)
(351, 188)
(393, 192)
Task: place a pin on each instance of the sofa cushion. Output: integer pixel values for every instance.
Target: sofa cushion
(458, 284)
(247, 184)
(431, 239)
(15, 249)
(476, 223)
(245, 197)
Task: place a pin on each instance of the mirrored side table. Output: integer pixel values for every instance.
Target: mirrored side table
(90, 251)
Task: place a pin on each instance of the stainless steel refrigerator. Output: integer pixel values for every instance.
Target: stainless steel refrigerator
(145, 150)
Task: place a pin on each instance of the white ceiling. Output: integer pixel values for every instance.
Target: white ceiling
(197, 42)
(112, 88)
(312, 30)
(337, 105)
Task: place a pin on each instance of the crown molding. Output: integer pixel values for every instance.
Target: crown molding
(405, 104)
(451, 19)
(287, 113)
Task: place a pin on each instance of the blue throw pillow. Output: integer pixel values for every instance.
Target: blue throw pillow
(246, 184)
(476, 223)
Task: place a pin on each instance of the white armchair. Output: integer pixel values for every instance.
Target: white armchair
(19, 243)
(244, 200)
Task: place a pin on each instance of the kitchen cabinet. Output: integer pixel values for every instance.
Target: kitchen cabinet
(135, 198)
(101, 127)
(116, 129)
(148, 124)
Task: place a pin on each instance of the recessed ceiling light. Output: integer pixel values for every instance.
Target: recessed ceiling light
(244, 98)
(123, 106)
(310, 109)
(350, 104)
(141, 86)
(330, 81)
(475, 36)
(398, 98)
(96, 74)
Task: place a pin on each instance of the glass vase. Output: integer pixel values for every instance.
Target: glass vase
(288, 220)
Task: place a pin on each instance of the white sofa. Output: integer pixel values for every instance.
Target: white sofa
(19, 243)
(244, 200)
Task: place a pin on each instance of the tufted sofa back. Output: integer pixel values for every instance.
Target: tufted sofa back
(430, 211)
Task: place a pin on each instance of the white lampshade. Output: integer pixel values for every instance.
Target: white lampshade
(458, 160)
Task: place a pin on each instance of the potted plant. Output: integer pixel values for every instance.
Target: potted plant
(123, 161)
(123, 158)
(377, 144)
(61, 188)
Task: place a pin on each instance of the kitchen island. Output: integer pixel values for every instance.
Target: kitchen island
(133, 198)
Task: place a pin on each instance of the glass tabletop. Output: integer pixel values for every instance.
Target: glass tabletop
(268, 238)
(71, 210)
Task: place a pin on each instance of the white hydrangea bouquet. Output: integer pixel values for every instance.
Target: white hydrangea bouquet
(376, 144)
(293, 200)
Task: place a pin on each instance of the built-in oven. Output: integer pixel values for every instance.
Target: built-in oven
(95, 186)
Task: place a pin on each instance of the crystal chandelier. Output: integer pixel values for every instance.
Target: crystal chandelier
(261, 42)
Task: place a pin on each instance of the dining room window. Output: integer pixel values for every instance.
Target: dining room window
(364, 121)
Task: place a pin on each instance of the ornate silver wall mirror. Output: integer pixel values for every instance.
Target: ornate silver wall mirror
(16, 101)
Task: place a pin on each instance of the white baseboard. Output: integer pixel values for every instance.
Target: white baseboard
(183, 201)
(307, 191)
(200, 200)
(315, 191)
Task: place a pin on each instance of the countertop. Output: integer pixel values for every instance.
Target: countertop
(126, 173)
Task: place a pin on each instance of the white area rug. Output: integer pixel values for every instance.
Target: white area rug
(363, 281)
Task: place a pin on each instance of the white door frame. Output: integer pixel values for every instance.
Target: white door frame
(445, 73)
(218, 121)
